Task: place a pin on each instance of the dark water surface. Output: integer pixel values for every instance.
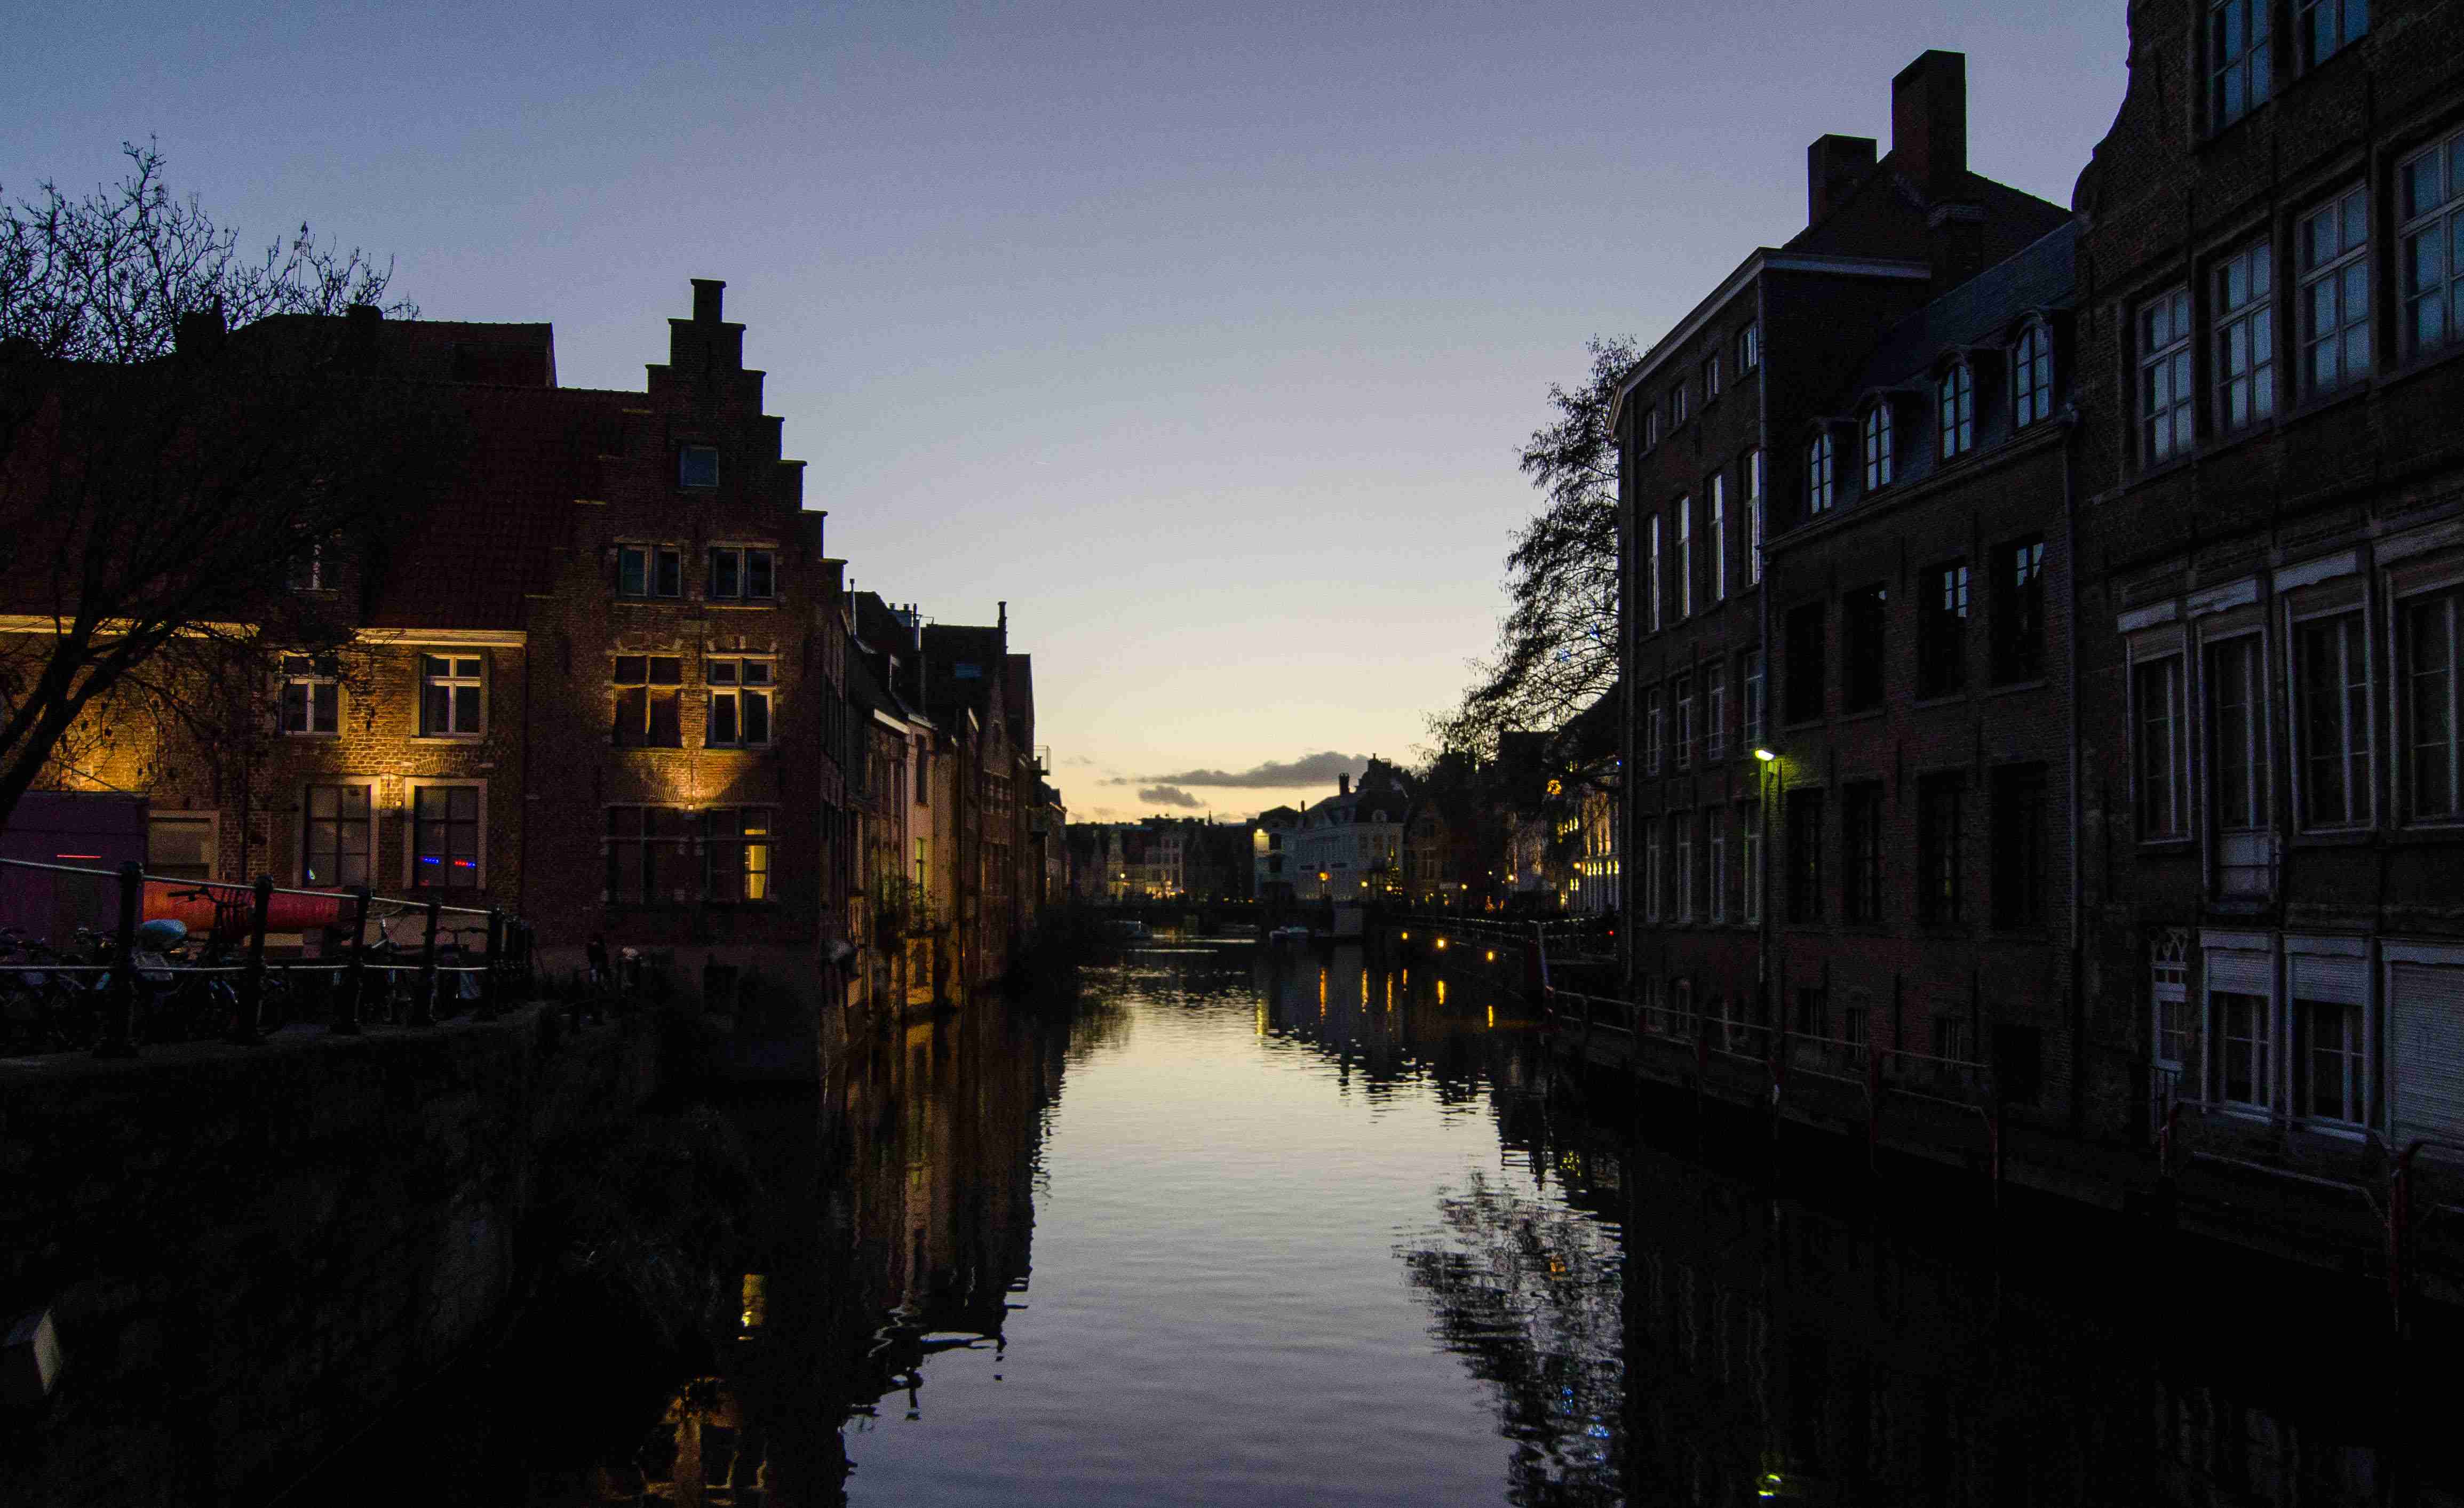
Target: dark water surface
(1257, 1228)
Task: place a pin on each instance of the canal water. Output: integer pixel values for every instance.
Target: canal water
(1248, 1226)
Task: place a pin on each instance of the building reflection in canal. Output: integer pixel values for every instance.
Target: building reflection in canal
(1650, 1326)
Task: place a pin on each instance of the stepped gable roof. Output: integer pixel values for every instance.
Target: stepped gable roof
(1978, 311)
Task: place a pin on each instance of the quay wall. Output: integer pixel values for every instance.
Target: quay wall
(251, 1254)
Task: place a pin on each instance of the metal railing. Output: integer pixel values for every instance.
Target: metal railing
(130, 992)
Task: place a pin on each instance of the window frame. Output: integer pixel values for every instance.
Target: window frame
(715, 847)
(688, 480)
(319, 680)
(2348, 267)
(2354, 705)
(1683, 512)
(1820, 479)
(2019, 606)
(2442, 222)
(1751, 861)
(1754, 521)
(1752, 685)
(2162, 326)
(1680, 697)
(2172, 664)
(614, 844)
(1715, 712)
(1861, 853)
(1654, 714)
(1864, 649)
(212, 822)
(2237, 81)
(738, 693)
(1715, 532)
(1955, 410)
(413, 824)
(2243, 389)
(661, 564)
(1946, 604)
(2257, 835)
(1651, 573)
(2340, 15)
(1874, 433)
(1803, 814)
(1750, 346)
(450, 682)
(309, 821)
(2404, 623)
(649, 687)
(2032, 375)
(741, 557)
(1940, 852)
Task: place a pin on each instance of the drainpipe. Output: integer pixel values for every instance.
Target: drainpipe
(1762, 607)
(2070, 656)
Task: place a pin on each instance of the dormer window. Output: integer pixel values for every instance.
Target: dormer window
(2032, 377)
(698, 466)
(1955, 403)
(1818, 479)
(1878, 446)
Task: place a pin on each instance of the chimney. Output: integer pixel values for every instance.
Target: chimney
(1834, 166)
(1929, 124)
(1343, 785)
(710, 294)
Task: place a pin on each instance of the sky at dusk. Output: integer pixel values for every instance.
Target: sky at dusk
(1205, 336)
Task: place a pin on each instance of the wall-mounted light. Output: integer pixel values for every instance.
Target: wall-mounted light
(1765, 755)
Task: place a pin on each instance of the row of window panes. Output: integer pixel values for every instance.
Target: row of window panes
(338, 836)
(2017, 810)
(1714, 572)
(1701, 724)
(2330, 1063)
(2241, 53)
(1954, 403)
(1674, 408)
(452, 695)
(662, 854)
(1941, 660)
(1704, 865)
(2333, 342)
(738, 572)
(2334, 684)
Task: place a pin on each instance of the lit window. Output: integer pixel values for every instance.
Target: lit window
(739, 703)
(2430, 199)
(742, 575)
(698, 466)
(2165, 376)
(1651, 869)
(311, 694)
(2327, 27)
(1955, 403)
(2332, 661)
(736, 852)
(2245, 321)
(649, 571)
(445, 836)
(2032, 377)
(2239, 59)
(1878, 447)
(1817, 474)
(2334, 245)
(449, 701)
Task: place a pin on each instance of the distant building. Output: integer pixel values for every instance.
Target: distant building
(1273, 855)
(1350, 846)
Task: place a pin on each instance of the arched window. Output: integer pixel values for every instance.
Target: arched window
(1957, 403)
(1817, 474)
(2031, 378)
(1878, 446)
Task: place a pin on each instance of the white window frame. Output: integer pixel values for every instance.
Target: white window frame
(2450, 594)
(452, 681)
(2266, 1077)
(2241, 292)
(1877, 431)
(2177, 755)
(1677, 413)
(1820, 460)
(1711, 377)
(1651, 869)
(2332, 972)
(2256, 837)
(1654, 714)
(309, 672)
(1684, 558)
(653, 556)
(2239, 78)
(1682, 696)
(1715, 534)
(743, 555)
(1685, 823)
(2164, 386)
(1651, 576)
(1754, 689)
(1750, 346)
(308, 570)
(2358, 756)
(2032, 376)
(2431, 219)
(2170, 984)
(1715, 712)
(411, 830)
(2338, 276)
(685, 480)
(1716, 819)
(1753, 860)
(1753, 474)
(1955, 411)
(1650, 426)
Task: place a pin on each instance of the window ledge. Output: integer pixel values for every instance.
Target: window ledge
(1864, 714)
(2167, 845)
(332, 737)
(2014, 687)
(450, 738)
(2419, 833)
(646, 602)
(742, 602)
(2335, 837)
(1925, 703)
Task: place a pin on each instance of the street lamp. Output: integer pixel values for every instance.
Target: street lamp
(1765, 755)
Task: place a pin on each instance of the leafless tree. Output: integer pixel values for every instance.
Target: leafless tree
(187, 433)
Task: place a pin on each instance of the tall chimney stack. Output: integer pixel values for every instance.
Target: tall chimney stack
(1834, 166)
(1343, 784)
(1929, 124)
(709, 300)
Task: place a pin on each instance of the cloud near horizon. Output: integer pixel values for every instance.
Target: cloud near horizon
(1168, 796)
(1275, 775)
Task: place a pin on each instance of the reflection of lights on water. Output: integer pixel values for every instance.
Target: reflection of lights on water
(1492, 1016)
(757, 1302)
(1262, 1017)
(1441, 992)
(1442, 942)
(1492, 956)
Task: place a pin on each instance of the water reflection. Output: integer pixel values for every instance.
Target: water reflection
(1319, 1229)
